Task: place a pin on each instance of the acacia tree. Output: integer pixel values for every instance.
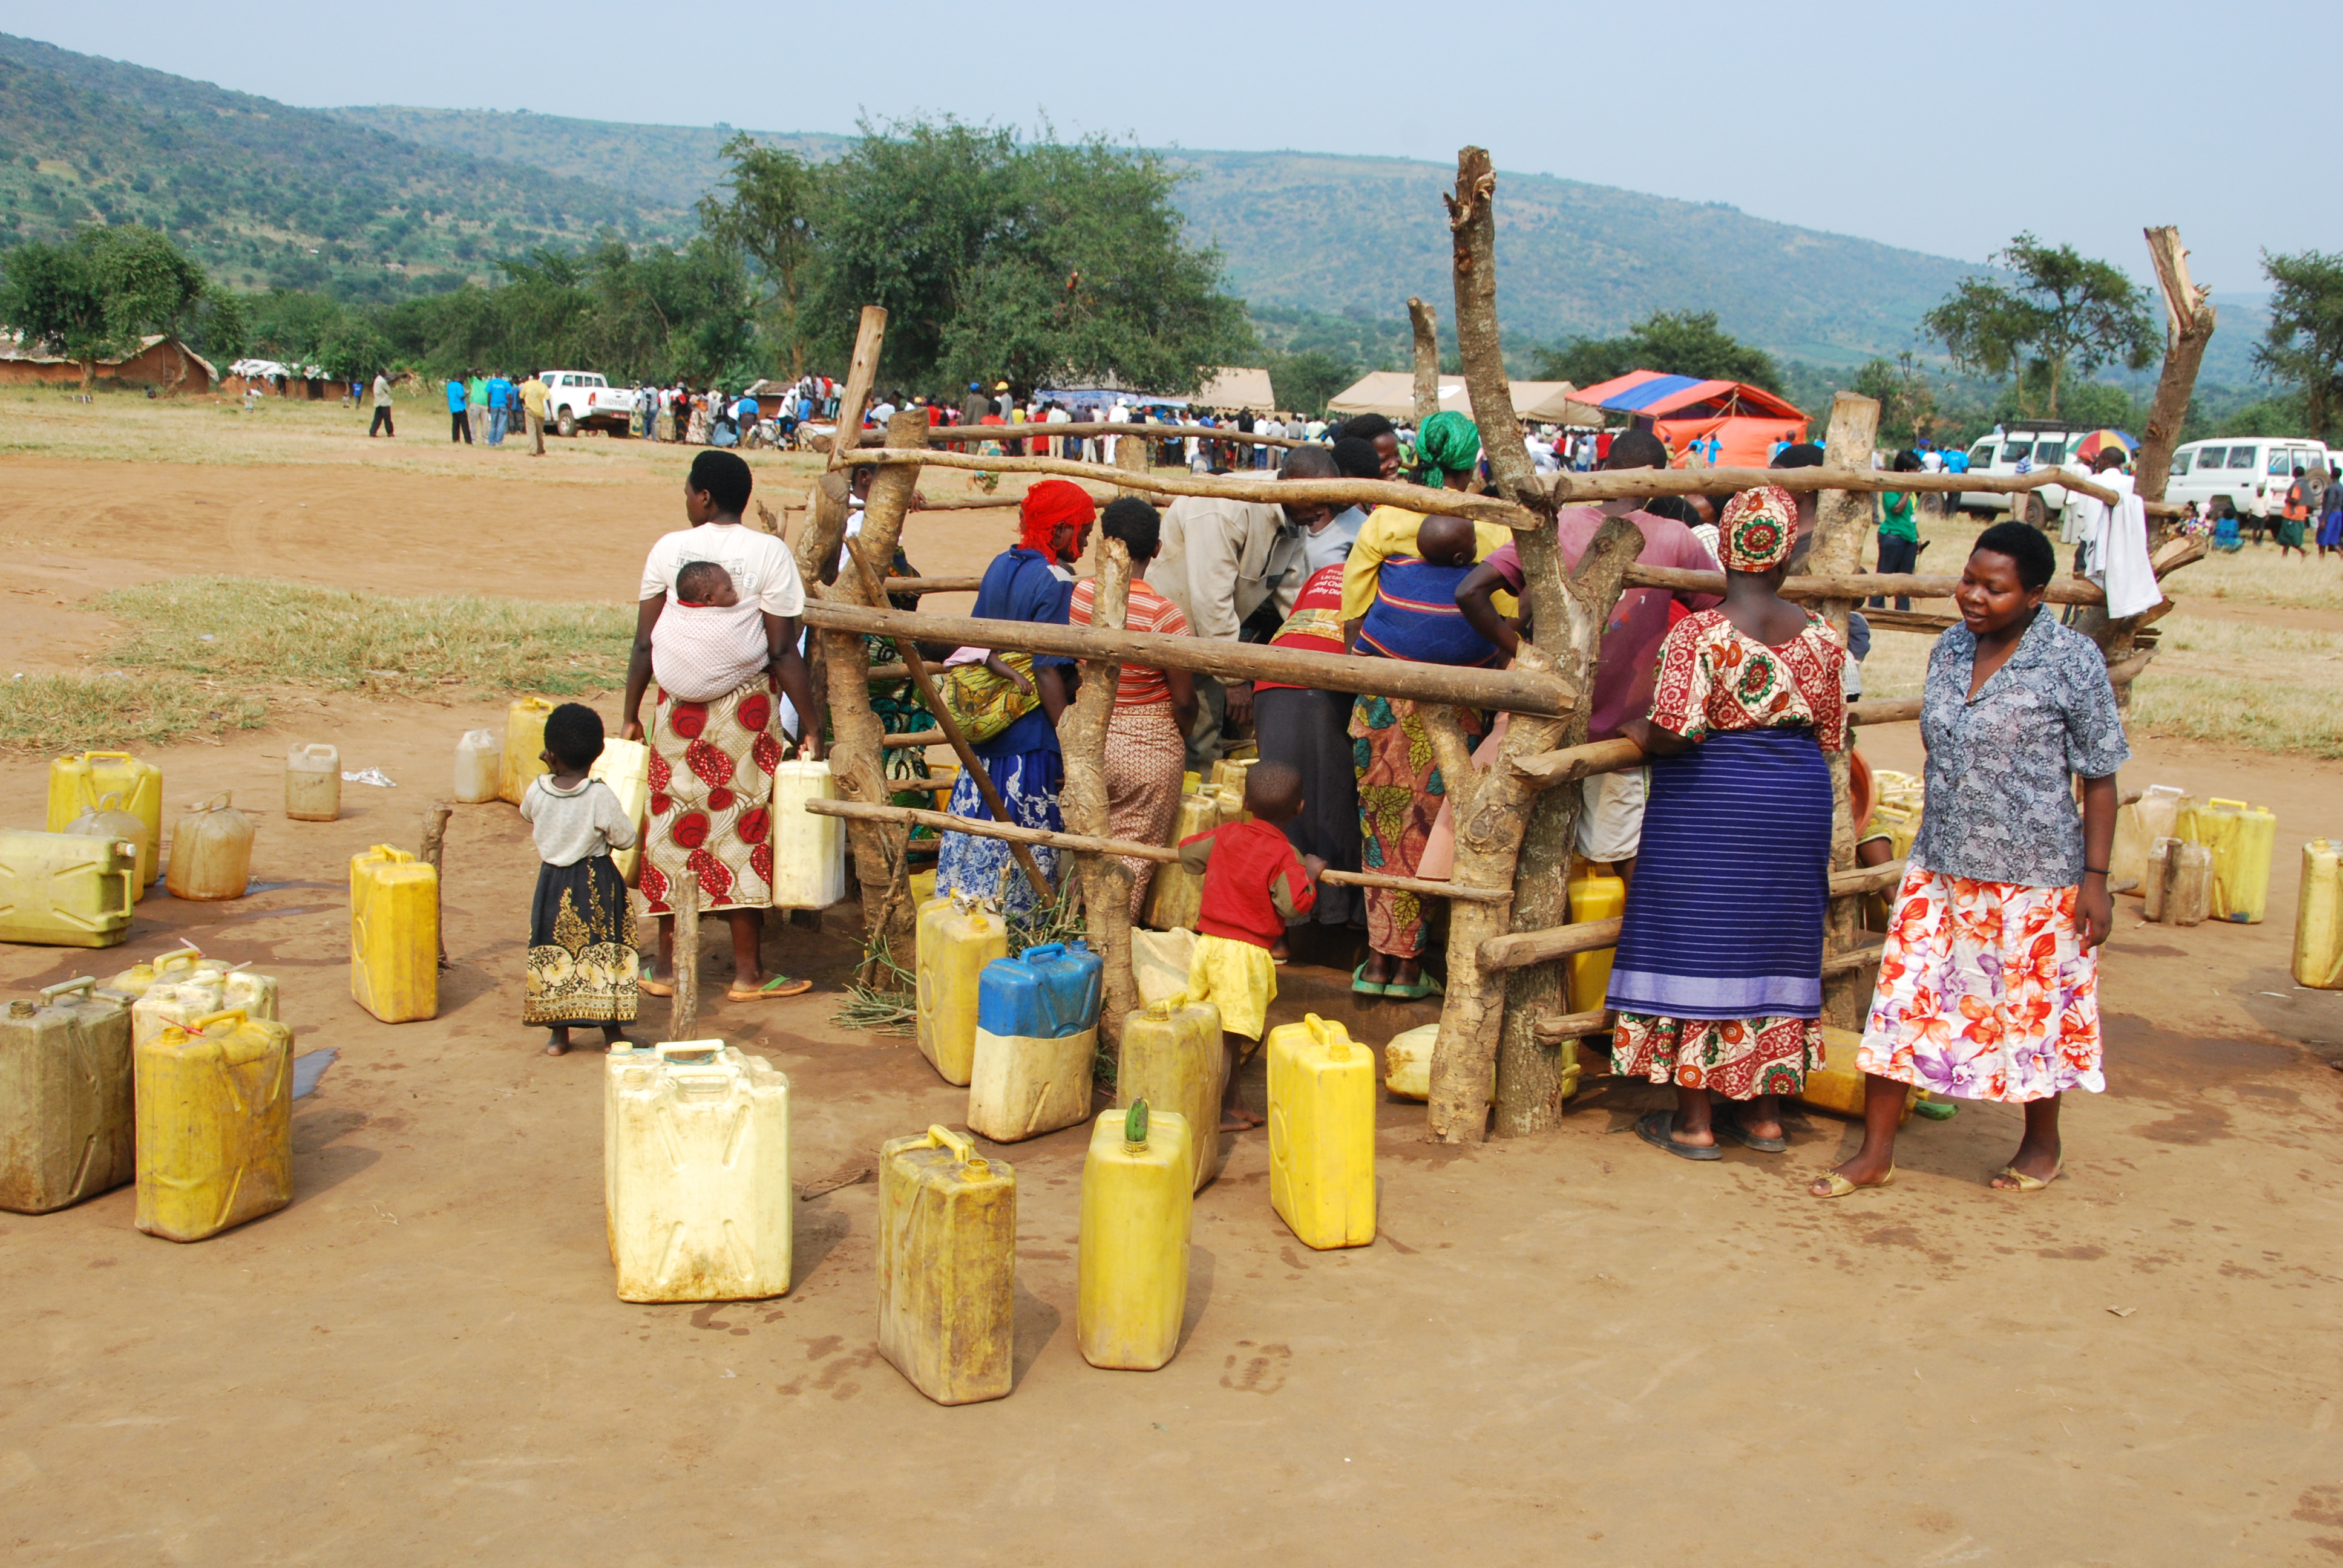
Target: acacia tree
(2063, 315)
(2304, 345)
(1907, 408)
(95, 297)
(1675, 342)
(770, 215)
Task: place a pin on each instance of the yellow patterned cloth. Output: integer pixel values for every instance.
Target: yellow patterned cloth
(581, 947)
(985, 703)
(1239, 978)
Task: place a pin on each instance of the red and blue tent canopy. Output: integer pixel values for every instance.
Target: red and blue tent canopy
(1747, 420)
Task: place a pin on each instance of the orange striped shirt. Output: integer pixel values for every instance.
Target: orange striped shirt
(1147, 611)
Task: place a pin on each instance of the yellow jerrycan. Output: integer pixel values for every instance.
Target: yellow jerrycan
(215, 1112)
(809, 851)
(946, 1266)
(1322, 1134)
(698, 1170)
(627, 1053)
(957, 937)
(179, 963)
(66, 891)
(2243, 842)
(479, 767)
(188, 994)
(66, 1130)
(393, 935)
(1176, 894)
(626, 767)
(313, 783)
(107, 820)
(2139, 826)
(1159, 961)
(2179, 889)
(1837, 1086)
(1594, 896)
(211, 852)
(2318, 918)
(1173, 1059)
(1137, 1203)
(88, 778)
(524, 742)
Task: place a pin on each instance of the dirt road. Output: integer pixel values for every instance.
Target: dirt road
(1568, 1348)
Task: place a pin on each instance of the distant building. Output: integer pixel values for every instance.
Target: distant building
(162, 362)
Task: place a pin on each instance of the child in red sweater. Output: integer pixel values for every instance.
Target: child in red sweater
(1253, 883)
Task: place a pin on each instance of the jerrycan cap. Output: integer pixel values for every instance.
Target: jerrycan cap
(22, 1009)
(1134, 1129)
(961, 1147)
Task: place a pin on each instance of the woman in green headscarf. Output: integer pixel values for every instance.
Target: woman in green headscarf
(1400, 787)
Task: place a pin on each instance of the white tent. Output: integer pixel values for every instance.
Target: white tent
(1236, 387)
(1392, 394)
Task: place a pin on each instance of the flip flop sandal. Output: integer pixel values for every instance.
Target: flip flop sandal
(1730, 1127)
(1659, 1129)
(650, 987)
(2026, 1183)
(1424, 985)
(1840, 1186)
(779, 985)
(1365, 987)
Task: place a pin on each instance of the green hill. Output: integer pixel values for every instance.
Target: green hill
(268, 195)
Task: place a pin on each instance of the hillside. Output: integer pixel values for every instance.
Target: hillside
(265, 194)
(1331, 235)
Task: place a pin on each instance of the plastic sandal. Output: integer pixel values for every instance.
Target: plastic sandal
(1365, 987)
(1659, 1129)
(1425, 985)
(779, 985)
(1839, 1186)
(2026, 1183)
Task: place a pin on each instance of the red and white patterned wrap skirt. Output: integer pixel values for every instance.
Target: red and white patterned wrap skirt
(711, 798)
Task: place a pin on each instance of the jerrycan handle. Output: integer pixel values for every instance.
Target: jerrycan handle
(50, 993)
(111, 801)
(205, 1022)
(1333, 1036)
(705, 1050)
(962, 1148)
(2218, 800)
(1041, 950)
(390, 853)
(94, 756)
(219, 802)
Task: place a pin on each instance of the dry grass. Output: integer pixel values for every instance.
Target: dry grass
(202, 653)
(2255, 574)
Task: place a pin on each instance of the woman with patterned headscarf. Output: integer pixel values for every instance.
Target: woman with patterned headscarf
(1400, 787)
(1717, 982)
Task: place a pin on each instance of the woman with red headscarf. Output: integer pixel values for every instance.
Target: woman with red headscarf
(1033, 583)
(1716, 984)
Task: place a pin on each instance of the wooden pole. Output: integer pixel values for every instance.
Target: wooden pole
(917, 668)
(683, 1010)
(1083, 737)
(826, 526)
(1547, 769)
(1130, 457)
(1855, 585)
(965, 435)
(1421, 886)
(1841, 521)
(1522, 689)
(1008, 832)
(1427, 359)
(435, 839)
(857, 757)
(1517, 950)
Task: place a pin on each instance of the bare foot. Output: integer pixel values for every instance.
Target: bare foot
(558, 1043)
(1378, 971)
(1237, 1119)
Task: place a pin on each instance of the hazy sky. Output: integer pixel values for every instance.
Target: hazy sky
(1945, 128)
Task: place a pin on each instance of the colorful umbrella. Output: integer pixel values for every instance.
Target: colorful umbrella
(2088, 449)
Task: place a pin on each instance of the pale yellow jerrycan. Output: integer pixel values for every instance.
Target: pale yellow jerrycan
(198, 991)
(211, 852)
(215, 1112)
(1136, 1204)
(524, 747)
(946, 1266)
(809, 851)
(2139, 825)
(1322, 1134)
(88, 778)
(2318, 918)
(66, 891)
(1594, 896)
(2243, 842)
(313, 783)
(699, 1170)
(2179, 887)
(479, 767)
(1173, 1058)
(65, 1131)
(107, 820)
(393, 935)
(1175, 894)
(957, 937)
(180, 963)
(626, 767)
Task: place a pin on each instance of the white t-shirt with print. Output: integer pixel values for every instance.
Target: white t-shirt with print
(762, 568)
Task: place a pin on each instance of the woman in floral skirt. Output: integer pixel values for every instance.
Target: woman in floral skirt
(1988, 982)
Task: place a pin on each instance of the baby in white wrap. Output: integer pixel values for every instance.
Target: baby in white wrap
(706, 644)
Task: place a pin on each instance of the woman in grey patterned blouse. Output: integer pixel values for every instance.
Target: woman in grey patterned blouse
(1988, 982)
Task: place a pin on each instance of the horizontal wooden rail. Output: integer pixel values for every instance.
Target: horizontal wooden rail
(1855, 586)
(1920, 620)
(944, 821)
(1419, 885)
(1573, 1025)
(1622, 483)
(879, 672)
(1507, 690)
(1866, 880)
(1548, 769)
(960, 434)
(933, 585)
(1883, 710)
(912, 737)
(1518, 950)
(1854, 959)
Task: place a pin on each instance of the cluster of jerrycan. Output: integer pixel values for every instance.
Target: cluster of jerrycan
(174, 1074)
(1020, 1033)
(1174, 895)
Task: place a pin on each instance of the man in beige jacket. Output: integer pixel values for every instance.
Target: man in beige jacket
(1234, 568)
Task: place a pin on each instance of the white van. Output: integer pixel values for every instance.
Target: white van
(2251, 472)
(2021, 449)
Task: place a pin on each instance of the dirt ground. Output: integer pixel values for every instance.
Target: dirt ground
(1562, 1348)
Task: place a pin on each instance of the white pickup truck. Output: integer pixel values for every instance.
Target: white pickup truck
(577, 397)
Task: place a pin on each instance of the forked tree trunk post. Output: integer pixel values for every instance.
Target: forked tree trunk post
(1106, 881)
(856, 759)
(1841, 521)
(683, 1011)
(434, 841)
(1427, 359)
